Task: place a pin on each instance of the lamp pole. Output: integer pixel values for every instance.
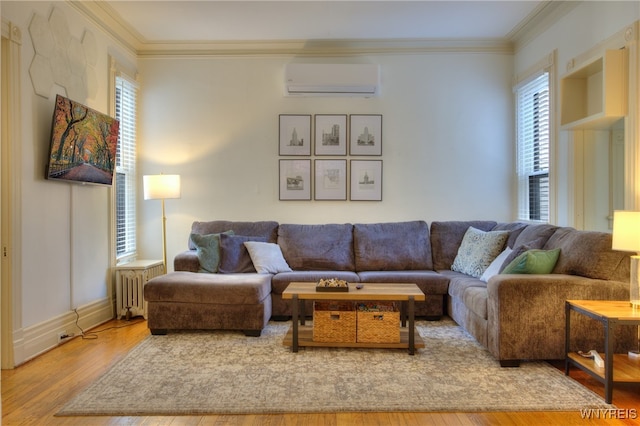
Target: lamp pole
(164, 237)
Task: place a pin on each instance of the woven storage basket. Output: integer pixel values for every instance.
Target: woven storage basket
(334, 322)
(379, 323)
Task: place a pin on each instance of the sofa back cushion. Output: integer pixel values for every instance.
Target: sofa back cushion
(589, 254)
(234, 256)
(393, 246)
(317, 247)
(514, 228)
(446, 238)
(264, 229)
(534, 236)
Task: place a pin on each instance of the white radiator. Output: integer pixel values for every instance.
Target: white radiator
(130, 280)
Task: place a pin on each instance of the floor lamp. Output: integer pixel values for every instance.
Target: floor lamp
(626, 237)
(162, 187)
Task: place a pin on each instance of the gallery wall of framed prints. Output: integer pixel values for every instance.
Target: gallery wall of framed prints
(335, 148)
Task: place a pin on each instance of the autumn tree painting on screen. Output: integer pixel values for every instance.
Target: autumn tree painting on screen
(83, 143)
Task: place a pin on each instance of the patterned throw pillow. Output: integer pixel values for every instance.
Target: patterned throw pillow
(477, 250)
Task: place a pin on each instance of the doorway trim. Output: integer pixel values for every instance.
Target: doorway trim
(10, 193)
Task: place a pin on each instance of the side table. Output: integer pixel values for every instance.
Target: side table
(130, 280)
(618, 368)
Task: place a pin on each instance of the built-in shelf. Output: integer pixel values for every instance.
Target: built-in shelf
(594, 95)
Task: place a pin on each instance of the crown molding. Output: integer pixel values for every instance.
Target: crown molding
(539, 20)
(323, 47)
(103, 15)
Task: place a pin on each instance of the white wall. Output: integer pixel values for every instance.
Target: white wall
(590, 23)
(447, 146)
(65, 227)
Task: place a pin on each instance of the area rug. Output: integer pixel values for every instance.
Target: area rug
(223, 372)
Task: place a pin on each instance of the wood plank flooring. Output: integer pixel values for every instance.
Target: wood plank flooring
(33, 392)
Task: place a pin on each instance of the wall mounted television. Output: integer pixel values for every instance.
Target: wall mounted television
(83, 144)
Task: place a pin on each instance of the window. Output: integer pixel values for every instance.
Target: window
(533, 131)
(125, 112)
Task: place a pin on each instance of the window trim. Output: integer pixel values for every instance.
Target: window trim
(545, 65)
(118, 71)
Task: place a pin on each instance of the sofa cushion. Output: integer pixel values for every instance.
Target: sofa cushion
(533, 262)
(446, 238)
(589, 254)
(393, 246)
(266, 257)
(317, 247)
(535, 236)
(207, 250)
(477, 250)
(266, 229)
(234, 256)
(514, 228)
(222, 289)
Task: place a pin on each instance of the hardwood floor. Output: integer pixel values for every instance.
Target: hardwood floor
(32, 393)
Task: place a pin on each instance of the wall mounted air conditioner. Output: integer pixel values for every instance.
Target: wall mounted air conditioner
(332, 80)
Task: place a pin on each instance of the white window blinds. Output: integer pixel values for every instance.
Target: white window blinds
(126, 103)
(533, 132)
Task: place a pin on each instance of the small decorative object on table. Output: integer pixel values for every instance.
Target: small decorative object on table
(332, 284)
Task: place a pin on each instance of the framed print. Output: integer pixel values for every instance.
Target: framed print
(366, 180)
(330, 180)
(295, 134)
(366, 134)
(331, 134)
(295, 180)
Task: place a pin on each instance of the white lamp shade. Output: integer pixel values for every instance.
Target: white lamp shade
(626, 230)
(161, 187)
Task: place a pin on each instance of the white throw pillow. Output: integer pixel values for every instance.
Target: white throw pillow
(267, 257)
(494, 268)
(478, 250)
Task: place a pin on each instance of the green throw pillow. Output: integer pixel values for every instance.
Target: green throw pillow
(533, 261)
(208, 250)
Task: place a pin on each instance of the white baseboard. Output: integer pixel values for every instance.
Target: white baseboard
(32, 341)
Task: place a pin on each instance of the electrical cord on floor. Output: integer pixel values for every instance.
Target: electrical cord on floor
(94, 334)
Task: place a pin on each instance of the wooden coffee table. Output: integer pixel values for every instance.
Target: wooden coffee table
(407, 294)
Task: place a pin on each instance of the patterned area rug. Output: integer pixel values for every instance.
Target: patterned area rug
(227, 373)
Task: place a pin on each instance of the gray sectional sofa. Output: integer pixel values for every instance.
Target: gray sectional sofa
(516, 316)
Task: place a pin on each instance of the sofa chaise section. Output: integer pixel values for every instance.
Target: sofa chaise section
(190, 300)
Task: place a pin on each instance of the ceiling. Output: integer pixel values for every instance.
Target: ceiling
(198, 21)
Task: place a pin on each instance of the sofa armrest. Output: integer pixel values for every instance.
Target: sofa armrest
(186, 261)
(526, 315)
